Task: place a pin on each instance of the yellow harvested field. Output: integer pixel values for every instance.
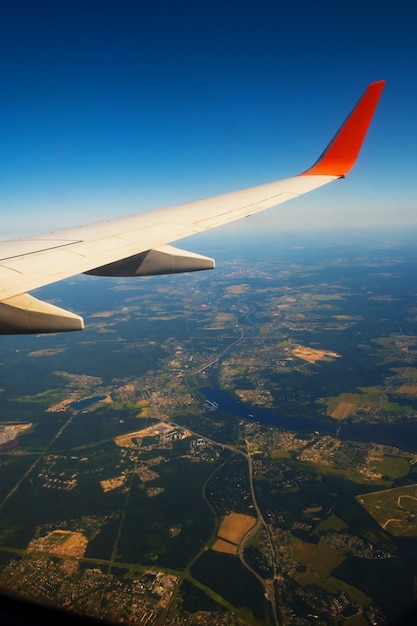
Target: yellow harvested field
(238, 289)
(410, 390)
(235, 526)
(162, 429)
(224, 317)
(224, 546)
(312, 355)
(343, 410)
(223, 320)
(112, 483)
(312, 509)
(20, 428)
(103, 314)
(46, 352)
(140, 403)
(125, 441)
(62, 542)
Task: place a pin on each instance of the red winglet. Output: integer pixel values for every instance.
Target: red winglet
(341, 153)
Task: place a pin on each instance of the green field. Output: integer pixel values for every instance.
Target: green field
(390, 466)
(333, 522)
(395, 510)
(319, 559)
(334, 585)
(369, 398)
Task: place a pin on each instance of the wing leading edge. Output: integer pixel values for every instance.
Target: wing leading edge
(137, 245)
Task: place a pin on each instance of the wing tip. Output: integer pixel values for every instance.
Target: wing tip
(340, 155)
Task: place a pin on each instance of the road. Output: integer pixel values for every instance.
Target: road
(268, 585)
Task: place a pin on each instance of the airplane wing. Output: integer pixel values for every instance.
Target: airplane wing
(138, 245)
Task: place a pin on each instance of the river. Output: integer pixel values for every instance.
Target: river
(83, 404)
(402, 434)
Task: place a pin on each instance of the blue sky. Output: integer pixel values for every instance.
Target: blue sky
(113, 107)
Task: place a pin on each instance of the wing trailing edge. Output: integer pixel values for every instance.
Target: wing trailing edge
(165, 260)
(136, 245)
(24, 314)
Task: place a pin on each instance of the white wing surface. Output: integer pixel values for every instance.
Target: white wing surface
(137, 245)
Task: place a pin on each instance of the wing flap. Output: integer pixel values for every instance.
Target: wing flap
(165, 260)
(33, 262)
(104, 243)
(25, 314)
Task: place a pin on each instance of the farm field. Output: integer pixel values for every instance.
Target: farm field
(395, 510)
